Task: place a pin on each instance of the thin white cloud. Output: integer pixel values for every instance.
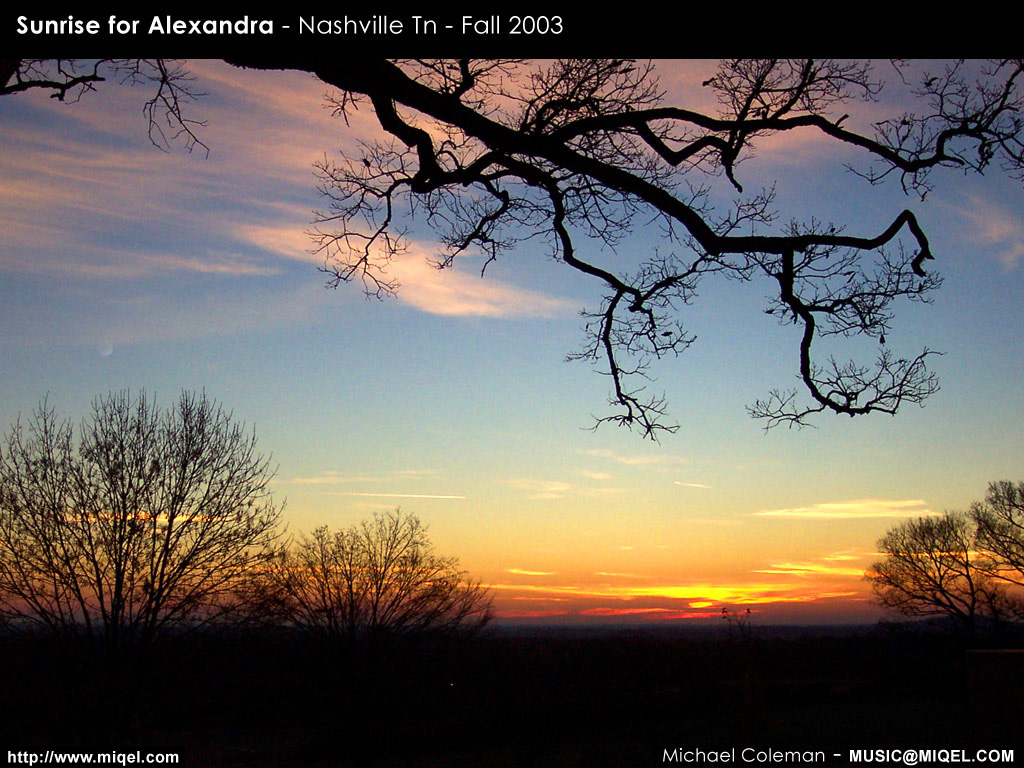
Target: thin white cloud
(523, 572)
(856, 509)
(331, 477)
(558, 489)
(690, 485)
(336, 478)
(414, 474)
(286, 237)
(542, 489)
(397, 495)
(649, 459)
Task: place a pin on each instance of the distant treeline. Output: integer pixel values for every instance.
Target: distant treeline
(270, 697)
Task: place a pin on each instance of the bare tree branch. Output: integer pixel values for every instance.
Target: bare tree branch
(68, 80)
(580, 149)
(577, 156)
(1000, 523)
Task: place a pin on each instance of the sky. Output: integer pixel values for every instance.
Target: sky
(124, 266)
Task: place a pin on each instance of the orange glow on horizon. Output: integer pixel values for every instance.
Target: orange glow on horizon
(701, 601)
(706, 594)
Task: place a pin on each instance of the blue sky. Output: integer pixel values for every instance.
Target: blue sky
(125, 266)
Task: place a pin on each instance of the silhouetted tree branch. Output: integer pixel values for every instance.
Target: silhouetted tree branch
(573, 154)
(69, 79)
(1000, 524)
(579, 150)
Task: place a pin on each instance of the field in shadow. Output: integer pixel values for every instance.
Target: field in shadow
(514, 697)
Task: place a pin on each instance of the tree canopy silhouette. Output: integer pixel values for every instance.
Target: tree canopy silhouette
(575, 155)
(144, 520)
(930, 569)
(378, 578)
(1000, 529)
(963, 565)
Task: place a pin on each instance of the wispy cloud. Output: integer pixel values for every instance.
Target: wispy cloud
(810, 569)
(459, 291)
(130, 211)
(542, 489)
(999, 228)
(648, 459)
(846, 556)
(332, 477)
(336, 478)
(690, 485)
(523, 572)
(284, 237)
(858, 508)
(114, 320)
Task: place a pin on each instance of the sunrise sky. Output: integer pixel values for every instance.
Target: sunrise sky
(124, 266)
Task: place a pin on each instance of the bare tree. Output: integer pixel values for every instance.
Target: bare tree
(575, 155)
(1000, 524)
(739, 624)
(932, 568)
(381, 577)
(146, 520)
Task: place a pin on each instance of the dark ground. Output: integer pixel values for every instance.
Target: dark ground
(520, 697)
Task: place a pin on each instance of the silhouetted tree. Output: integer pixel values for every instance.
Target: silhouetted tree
(739, 624)
(1000, 525)
(145, 520)
(932, 568)
(379, 578)
(576, 154)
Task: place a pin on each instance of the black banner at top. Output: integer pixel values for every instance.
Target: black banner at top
(482, 30)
